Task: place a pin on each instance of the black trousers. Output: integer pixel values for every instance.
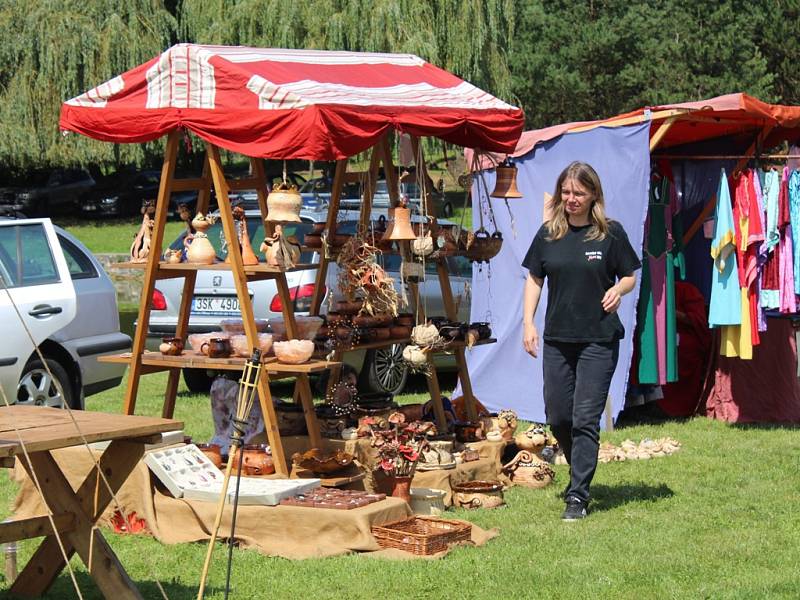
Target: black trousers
(576, 381)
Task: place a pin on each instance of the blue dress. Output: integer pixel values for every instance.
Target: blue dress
(726, 297)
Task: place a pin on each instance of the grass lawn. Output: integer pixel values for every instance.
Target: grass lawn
(716, 520)
(105, 236)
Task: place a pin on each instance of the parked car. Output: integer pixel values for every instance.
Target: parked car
(121, 195)
(215, 299)
(59, 293)
(63, 190)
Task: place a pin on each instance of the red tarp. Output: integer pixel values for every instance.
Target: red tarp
(291, 103)
(728, 115)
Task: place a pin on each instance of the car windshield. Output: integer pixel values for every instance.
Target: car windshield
(255, 229)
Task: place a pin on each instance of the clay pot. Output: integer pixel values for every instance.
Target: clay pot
(217, 348)
(200, 251)
(406, 319)
(400, 487)
(468, 432)
(283, 204)
(478, 494)
(321, 461)
(311, 240)
(171, 346)
(400, 331)
(349, 307)
(529, 470)
(212, 453)
(256, 460)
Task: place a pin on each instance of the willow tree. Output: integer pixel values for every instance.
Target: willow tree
(53, 50)
(470, 38)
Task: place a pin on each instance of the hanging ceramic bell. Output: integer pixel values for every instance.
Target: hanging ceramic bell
(505, 185)
(399, 225)
(283, 204)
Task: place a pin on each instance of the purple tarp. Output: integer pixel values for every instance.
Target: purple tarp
(502, 374)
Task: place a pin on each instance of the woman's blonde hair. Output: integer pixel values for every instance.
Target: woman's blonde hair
(586, 176)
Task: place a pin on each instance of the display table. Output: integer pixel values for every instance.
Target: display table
(287, 531)
(75, 513)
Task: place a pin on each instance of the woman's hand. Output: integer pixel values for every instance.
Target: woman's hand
(530, 339)
(611, 299)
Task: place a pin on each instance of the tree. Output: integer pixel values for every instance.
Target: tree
(588, 60)
(54, 50)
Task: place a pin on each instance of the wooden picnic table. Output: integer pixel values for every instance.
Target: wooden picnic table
(75, 513)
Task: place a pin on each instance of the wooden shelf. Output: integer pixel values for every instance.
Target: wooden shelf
(177, 269)
(372, 345)
(193, 360)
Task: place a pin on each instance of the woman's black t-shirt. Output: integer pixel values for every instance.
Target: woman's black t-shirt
(578, 273)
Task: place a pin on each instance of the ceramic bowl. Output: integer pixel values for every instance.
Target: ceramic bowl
(322, 461)
(293, 352)
(236, 326)
(243, 349)
(196, 340)
(307, 327)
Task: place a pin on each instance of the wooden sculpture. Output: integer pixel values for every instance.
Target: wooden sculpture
(140, 248)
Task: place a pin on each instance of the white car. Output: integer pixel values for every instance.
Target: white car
(55, 295)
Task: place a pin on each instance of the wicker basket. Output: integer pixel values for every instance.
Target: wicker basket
(422, 535)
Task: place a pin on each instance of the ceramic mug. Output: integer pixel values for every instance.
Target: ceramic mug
(216, 348)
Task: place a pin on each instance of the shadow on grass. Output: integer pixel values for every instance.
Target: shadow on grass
(646, 414)
(765, 426)
(63, 588)
(607, 497)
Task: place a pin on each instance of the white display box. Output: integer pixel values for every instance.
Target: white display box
(188, 473)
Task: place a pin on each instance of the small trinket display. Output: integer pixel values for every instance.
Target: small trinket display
(333, 498)
(188, 473)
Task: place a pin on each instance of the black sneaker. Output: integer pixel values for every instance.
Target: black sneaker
(575, 510)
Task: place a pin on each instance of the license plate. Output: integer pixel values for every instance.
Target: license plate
(216, 305)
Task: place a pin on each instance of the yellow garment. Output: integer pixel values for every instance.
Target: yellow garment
(737, 339)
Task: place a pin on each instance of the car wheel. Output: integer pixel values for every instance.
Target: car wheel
(38, 387)
(197, 380)
(384, 370)
(447, 210)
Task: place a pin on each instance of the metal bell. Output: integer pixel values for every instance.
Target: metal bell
(399, 225)
(505, 185)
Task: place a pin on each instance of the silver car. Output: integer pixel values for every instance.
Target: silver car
(215, 299)
(56, 292)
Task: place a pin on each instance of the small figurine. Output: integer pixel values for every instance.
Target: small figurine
(279, 250)
(140, 248)
(199, 249)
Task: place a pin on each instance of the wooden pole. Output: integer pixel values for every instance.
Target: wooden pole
(246, 305)
(709, 207)
(189, 281)
(151, 272)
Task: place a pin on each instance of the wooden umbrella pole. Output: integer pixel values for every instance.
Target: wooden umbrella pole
(244, 404)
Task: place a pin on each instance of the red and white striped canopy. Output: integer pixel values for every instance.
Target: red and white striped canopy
(291, 103)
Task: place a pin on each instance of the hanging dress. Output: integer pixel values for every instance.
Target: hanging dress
(770, 276)
(794, 217)
(738, 340)
(658, 361)
(787, 295)
(726, 299)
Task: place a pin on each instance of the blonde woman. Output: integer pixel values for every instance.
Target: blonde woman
(589, 265)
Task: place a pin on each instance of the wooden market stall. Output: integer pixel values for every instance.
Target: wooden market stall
(276, 104)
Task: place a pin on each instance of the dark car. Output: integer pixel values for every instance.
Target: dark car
(121, 195)
(63, 190)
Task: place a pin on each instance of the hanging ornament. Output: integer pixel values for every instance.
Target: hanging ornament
(505, 185)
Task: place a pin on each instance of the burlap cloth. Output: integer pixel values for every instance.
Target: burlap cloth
(286, 531)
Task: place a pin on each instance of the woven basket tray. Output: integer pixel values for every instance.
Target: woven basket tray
(422, 535)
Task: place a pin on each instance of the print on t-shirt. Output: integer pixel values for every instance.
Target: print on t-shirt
(594, 255)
